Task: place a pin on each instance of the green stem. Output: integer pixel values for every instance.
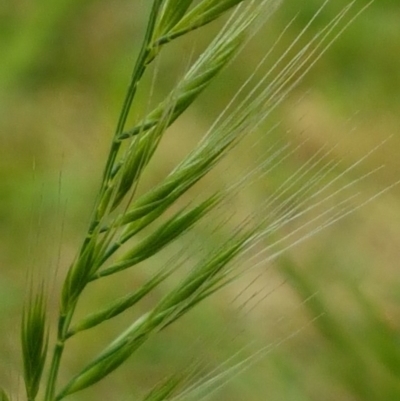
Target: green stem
(145, 57)
(55, 363)
(64, 322)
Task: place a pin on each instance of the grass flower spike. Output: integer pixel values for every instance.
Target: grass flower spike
(150, 228)
(34, 340)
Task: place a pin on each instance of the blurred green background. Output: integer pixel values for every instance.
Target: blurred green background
(63, 72)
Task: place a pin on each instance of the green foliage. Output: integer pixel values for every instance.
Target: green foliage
(3, 395)
(363, 362)
(127, 229)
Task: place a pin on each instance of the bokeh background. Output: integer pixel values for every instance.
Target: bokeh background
(332, 310)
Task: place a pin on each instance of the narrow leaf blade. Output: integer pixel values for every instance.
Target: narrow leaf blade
(4, 396)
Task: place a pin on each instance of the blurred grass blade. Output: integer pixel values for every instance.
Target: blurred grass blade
(332, 330)
(34, 339)
(4, 396)
(384, 339)
(23, 47)
(165, 390)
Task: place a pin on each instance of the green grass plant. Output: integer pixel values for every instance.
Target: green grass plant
(129, 226)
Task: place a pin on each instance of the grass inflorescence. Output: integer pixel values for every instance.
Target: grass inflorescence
(128, 227)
